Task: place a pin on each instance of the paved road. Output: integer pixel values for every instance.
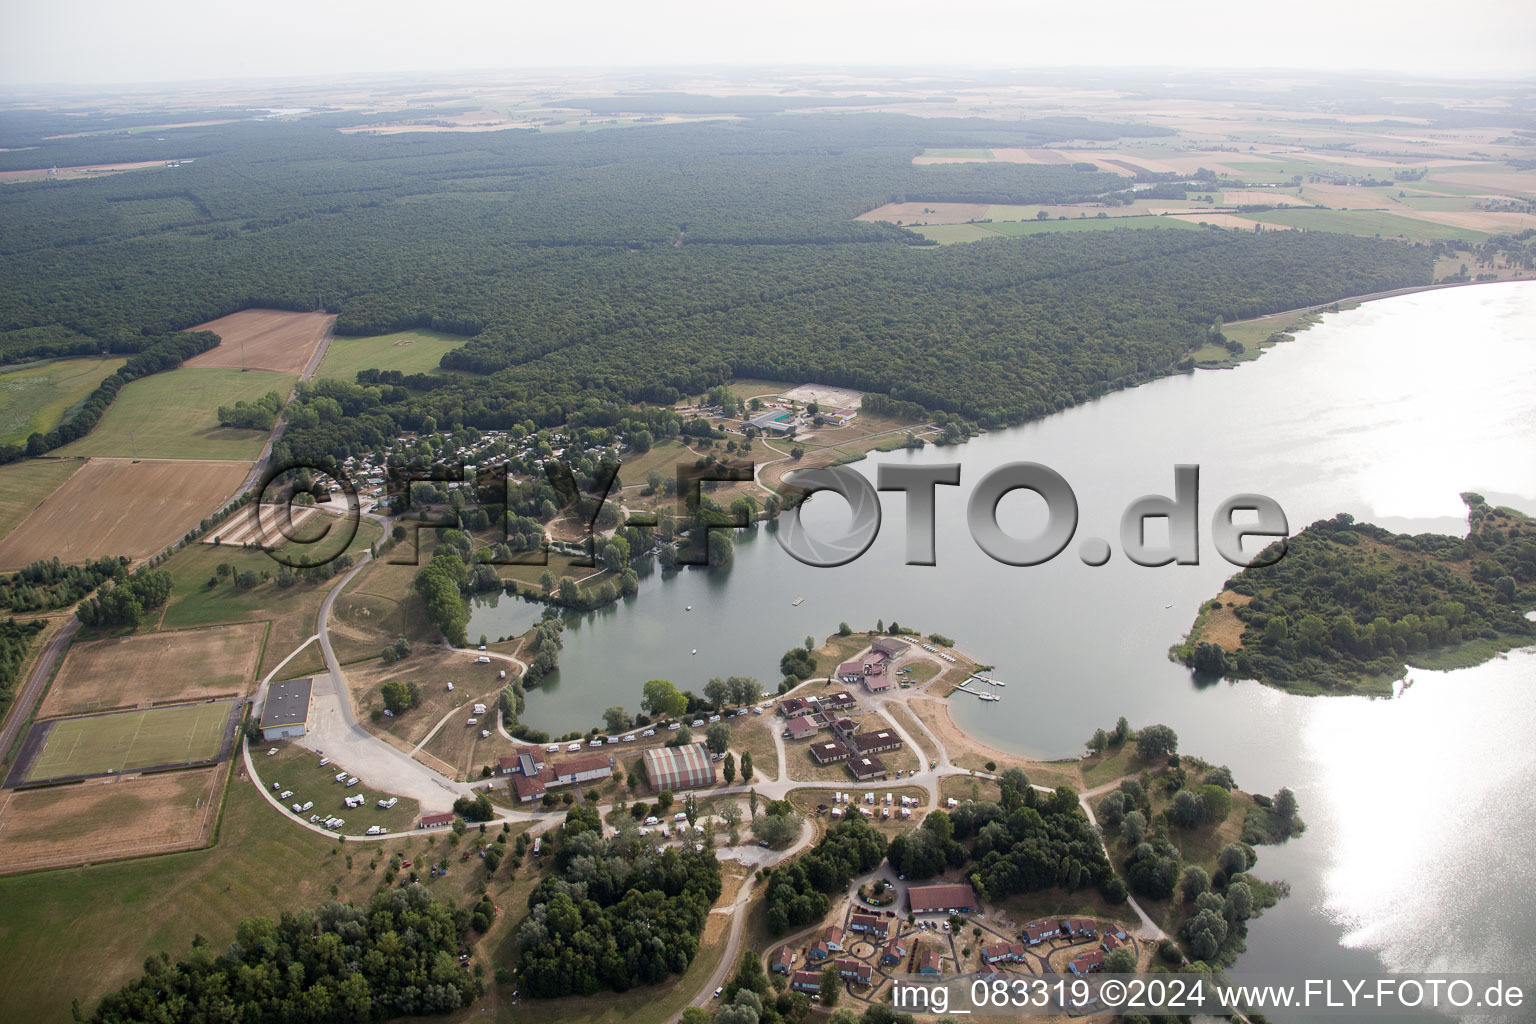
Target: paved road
(32, 689)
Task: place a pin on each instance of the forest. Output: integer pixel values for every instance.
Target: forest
(797, 890)
(1351, 602)
(48, 584)
(594, 270)
(393, 958)
(616, 913)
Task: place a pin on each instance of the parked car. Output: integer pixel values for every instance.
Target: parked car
(573, 748)
(698, 723)
(713, 719)
(649, 732)
(674, 727)
(285, 794)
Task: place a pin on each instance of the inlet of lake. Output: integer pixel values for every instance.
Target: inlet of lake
(1420, 840)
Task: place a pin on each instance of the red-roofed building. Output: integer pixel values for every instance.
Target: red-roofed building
(435, 820)
(833, 937)
(1087, 963)
(874, 742)
(874, 927)
(792, 707)
(801, 727)
(894, 953)
(951, 898)
(855, 971)
(806, 981)
(850, 671)
(929, 963)
(1040, 931)
(783, 960)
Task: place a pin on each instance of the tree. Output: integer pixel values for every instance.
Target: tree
(1099, 741)
(728, 768)
(664, 800)
(1120, 961)
(1193, 882)
(1285, 806)
(402, 648)
(616, 719)
(777, 830)
(1232, 860)
(718, 737)
(662, 700)
(1112, 809)
(1187, 810)
(751, 793)
(1155, 741)
(717, 691)
(831, 986)
(1134, 827)
(843, 629)
(1207, 930)
(747, 772)
(1239, 903)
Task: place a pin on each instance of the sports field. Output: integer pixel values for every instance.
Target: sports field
(155, 668)
(35, 398)
(124, 741)
(405, 351)
(174, 415)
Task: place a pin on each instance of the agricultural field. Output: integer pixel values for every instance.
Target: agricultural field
(118, 507)
(24, 485)
(264, 339)
(35, 399)
(155, 668)
(109, 819)
(124, 741)
(174, 415)
(417, 351)
(1366, 222)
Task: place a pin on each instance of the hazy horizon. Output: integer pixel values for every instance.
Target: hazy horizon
(84, 43)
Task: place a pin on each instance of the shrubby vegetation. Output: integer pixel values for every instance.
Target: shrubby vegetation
(124, 604)
(1350, 602)
(616, 913)
(257, 415)
(15, 640)
(49, 584)
(393, 958)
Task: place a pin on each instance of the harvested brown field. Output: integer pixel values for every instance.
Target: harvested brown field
(1353, 197)
(1512, 182)
(156, 668)
(1222, 626)
(85, 171)
(121, 507)
(264, 339)
(1492, 221)
(1274, 197)
(108, 819)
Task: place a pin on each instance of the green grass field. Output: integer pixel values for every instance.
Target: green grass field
(36, 398)
(130, 740)
(1368, 222)
(406, 351)
(23, 486)
(948, 234)
(174, 415)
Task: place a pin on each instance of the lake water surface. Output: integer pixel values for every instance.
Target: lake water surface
(1419, 852)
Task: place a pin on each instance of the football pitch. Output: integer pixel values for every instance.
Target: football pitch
(128, 741)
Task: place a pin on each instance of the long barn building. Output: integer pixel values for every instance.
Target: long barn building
(685, 767)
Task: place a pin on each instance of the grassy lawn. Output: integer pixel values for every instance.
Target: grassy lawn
(418, 351)
(291, 611)
(754, 733)
(663, 457)
(1368, 222)
(23, 486)
(300, 772)
(174, 415)
(35, 398)
(82, 932)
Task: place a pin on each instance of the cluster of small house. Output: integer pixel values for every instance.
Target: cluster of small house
(1066, 928)
(867, 809)
(806, 716)
(531, 777)
(871, 671)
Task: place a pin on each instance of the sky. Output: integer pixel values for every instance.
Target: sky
(98, 42)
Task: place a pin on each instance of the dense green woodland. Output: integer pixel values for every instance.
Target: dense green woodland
(598, 269)
(15, 640)
(1351, 602)
(616, 913)
(394, 958)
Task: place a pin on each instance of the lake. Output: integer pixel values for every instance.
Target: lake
(1419, 834)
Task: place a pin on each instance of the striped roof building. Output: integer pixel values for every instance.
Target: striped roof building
(685, 767)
